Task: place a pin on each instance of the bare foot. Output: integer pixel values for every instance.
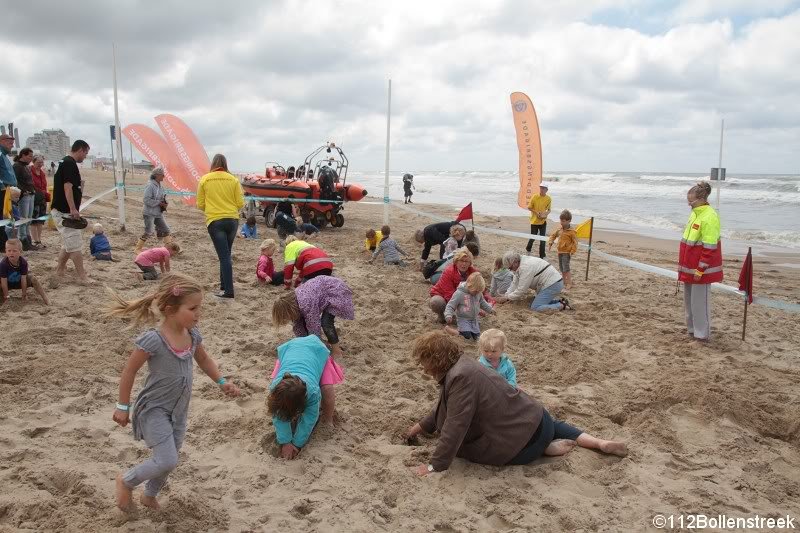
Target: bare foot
(150, 501)
(559, 447)
(451, 330)
(124, 494)
(614, 448)
(86, 282)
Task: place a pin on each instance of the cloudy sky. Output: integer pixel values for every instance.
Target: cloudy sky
(627, 85)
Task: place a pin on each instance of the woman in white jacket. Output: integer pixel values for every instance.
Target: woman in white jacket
(537, 274)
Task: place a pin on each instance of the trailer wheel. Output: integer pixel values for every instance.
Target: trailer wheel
(338, 221)
(269, 216)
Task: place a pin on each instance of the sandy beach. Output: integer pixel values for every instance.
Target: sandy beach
(712, 428)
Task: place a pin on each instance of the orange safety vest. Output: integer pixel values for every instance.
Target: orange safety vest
(701, 247)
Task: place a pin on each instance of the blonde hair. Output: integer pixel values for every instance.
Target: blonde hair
(492, 339)
(97, 229)
(455, 228)
(461, 253)
(15, 243)
(268, 244)
(475, 282)
(498, 264)
(172, 291)
(291, 238)
(173, 247)
(285, 309)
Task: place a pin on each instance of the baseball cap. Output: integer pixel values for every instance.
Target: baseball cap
(545, 185)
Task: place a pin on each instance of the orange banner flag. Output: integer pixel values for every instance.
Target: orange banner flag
(529, 144)
(186, 146)
(157, 151)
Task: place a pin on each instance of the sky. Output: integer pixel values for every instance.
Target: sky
(618, 85)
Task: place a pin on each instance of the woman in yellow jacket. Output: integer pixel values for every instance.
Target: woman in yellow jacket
(220, 197)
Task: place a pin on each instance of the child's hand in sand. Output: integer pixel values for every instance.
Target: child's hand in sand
(289, 451)
(421, 470)
(336, 351)
(231, 390)
(501, 299)
(120, 417)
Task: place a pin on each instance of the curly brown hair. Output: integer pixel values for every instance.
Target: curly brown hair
(436, 351)
(288, 399)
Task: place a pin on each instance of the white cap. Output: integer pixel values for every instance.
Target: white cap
(545, 185)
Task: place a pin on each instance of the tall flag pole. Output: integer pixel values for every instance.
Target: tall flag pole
(118, 160)
(386, 173)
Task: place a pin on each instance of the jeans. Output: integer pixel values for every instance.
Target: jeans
(538, 229)
(25, 211)
(545, 298)
(548, 431)
(223, 234)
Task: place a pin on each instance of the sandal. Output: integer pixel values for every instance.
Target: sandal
(565, 303)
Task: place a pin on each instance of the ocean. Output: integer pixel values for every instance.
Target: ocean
(758, 210)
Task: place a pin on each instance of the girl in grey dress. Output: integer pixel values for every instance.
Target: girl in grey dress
(159, 414)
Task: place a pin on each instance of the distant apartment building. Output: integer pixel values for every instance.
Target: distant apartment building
(52, 144)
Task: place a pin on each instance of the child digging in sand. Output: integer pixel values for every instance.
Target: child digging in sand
(99, 246)
(14, 273)
(389, 248)
(265, 271)
(147, 259)
(465, 306)
(303, 378)
(161, 410)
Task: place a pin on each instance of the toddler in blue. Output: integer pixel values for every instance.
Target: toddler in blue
(304, 367)
(492, 344)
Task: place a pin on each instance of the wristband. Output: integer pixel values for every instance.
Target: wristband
(123, 407)
(221, 381)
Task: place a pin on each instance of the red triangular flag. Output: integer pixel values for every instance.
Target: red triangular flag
(465, 214)
(746, 276)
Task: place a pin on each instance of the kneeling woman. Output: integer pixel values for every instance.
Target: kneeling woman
(483, 419)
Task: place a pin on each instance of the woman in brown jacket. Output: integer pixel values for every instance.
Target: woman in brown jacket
(483, 419)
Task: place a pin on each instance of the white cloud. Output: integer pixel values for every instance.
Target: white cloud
(271, 81)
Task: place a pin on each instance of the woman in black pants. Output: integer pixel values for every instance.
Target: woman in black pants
(220, 197)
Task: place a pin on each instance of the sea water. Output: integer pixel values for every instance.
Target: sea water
(755, 209)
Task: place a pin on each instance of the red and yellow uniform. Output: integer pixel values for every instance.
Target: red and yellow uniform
(701, 247)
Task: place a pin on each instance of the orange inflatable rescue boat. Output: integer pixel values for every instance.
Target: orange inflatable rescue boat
(319, 183)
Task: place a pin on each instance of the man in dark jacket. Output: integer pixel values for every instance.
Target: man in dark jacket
(434, 234)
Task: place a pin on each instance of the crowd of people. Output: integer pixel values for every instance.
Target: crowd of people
(481, 415)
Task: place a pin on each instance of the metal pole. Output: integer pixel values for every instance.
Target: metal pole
(719, 172)
(120, 197)
(386, 174)
(589, 252)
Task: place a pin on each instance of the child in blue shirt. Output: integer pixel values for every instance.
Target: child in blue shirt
(303, 369)
(249, 230)
(99, 246)
(492, 344)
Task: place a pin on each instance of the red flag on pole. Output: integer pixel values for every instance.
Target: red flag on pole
(466, 213)
(746, 276)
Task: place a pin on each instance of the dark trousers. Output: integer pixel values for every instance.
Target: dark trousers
(3, 237)
(223, 234)
(538, 229)
(148, 272)
(548, 431)
(277, 279)
(323, 272)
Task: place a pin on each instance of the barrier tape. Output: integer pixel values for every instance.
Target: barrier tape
(659, 271)
(23, 221)
(247, 197)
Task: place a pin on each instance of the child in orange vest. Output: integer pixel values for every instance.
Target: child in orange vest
(567, 245)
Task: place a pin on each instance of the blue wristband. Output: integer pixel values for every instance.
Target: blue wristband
(123, 407)
(221, 381)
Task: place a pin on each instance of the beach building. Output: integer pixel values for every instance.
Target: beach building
(52, 144)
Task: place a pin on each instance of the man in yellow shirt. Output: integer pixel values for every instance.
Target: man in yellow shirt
(539, 207)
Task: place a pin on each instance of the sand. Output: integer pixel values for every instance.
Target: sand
(712, 428)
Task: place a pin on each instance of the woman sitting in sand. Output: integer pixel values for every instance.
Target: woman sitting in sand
(483, 419)
(451, 278)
